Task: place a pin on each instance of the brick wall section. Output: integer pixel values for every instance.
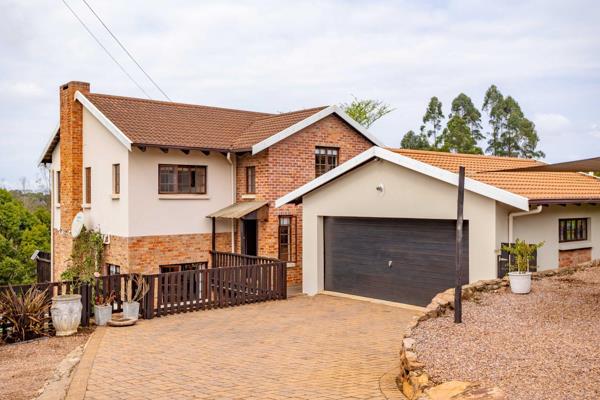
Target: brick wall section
(288, 165)
(71, 170)
(572, 258)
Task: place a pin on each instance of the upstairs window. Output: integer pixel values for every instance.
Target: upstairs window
(326, 159)
(116, 178)
(251, 180)
(88, 185)
(572, 229)
(181, 179)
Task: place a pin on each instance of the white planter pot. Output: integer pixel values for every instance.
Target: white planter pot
(66, 313)
(131, 310)
(520, 282)
(102, 314)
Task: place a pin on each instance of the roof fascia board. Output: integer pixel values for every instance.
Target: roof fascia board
(271, 140)
(107, 123)
(472, 185)
(48, 144)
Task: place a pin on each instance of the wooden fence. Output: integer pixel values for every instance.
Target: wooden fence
(224, 259)
(237, 279)
(42, 266)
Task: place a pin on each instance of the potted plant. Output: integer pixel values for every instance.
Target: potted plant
(86, 256)
(519, 274)
(103, 308)
(131, 306)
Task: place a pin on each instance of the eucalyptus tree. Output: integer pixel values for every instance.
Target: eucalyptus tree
(432, 121)
(412, 140)
(366, 111)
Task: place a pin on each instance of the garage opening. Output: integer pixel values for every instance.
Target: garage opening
(396, 259)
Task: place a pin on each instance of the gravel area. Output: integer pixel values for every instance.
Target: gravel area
(545, 345)
(25, 367)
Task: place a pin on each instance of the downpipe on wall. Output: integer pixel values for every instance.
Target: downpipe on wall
(513, 215)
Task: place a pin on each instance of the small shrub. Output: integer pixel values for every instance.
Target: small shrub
(27, 312)
(523, 253)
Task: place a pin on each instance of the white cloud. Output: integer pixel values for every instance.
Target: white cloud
(276, 55)
(554, 124)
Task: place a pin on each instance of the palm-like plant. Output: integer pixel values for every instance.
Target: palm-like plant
(28, 313)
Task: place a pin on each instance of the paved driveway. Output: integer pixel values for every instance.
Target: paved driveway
(319, 347)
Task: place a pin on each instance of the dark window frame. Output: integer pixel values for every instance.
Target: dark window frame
(176, 168)
(88, 185)
(251, 179)
(324, 161)
(191, 266)
(287, 251)
(116, 169)
(573, 230)
(113, 269)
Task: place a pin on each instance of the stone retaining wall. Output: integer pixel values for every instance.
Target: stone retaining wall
(414, 381)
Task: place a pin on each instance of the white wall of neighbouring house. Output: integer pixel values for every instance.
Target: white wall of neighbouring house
(101, 149)
(408, 194)
(54, 168)
(544, 227)
(151, 213)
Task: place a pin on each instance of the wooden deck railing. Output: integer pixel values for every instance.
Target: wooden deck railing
(237, 279)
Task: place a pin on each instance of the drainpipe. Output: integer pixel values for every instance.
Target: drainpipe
(233, 196)
(512, 215)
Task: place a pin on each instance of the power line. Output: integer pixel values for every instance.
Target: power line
(105, 49)
(126, 51)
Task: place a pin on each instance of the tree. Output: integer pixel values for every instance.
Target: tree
(433, 117)
(411, 140)
(366, 111)
(463, 129)
(463, 107)
(21, 233)
(458, 137)
(512, 134)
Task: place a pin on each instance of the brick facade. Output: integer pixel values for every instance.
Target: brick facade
(571, 258)
(286, 166)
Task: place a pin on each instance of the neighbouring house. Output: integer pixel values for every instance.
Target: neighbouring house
(382, 225)
(167, 182)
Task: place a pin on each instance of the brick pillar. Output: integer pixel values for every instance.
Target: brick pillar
(71, 169)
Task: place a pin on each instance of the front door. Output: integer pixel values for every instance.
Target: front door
(250, 237)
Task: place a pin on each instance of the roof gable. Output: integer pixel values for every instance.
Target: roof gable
(472, 185)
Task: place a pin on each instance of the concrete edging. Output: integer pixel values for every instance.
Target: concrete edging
(78, 383)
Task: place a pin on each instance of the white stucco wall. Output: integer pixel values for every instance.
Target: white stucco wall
(544, 227)
(408, 194)
(154, 214)
(100, 151)
(54, 168)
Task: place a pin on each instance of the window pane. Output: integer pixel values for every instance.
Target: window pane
(88, 185)
(116, 178)
(572, 229)
(167, 179)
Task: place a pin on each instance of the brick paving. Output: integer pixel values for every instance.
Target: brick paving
(320, 347)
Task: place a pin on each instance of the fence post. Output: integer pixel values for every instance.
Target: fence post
(284, 279)
(85, 302)
(148, 301)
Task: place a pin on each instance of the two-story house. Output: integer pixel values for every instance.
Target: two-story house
(158, 178)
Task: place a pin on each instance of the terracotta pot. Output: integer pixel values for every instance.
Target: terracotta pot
(66, 313)
(102, 314)
(131, 310)
(520, 282)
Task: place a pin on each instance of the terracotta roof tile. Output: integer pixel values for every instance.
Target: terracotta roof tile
(533, 185)
(161, 123)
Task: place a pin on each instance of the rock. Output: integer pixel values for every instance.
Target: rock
(440, 300)
(408, 343)
(478, 392)
(410, 355)
(409, 390)
(447, 390)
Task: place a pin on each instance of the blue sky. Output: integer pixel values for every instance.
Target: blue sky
(280, 56)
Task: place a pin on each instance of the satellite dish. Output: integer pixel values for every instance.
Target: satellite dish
(77, 225)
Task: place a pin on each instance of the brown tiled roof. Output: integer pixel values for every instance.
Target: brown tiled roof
(160, 123)
(533, 185)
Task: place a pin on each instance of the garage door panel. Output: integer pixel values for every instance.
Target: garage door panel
(358, 251)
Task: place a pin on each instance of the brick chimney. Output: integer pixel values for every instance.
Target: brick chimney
(71, 152)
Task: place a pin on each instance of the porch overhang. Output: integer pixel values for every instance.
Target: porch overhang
(238, 210)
